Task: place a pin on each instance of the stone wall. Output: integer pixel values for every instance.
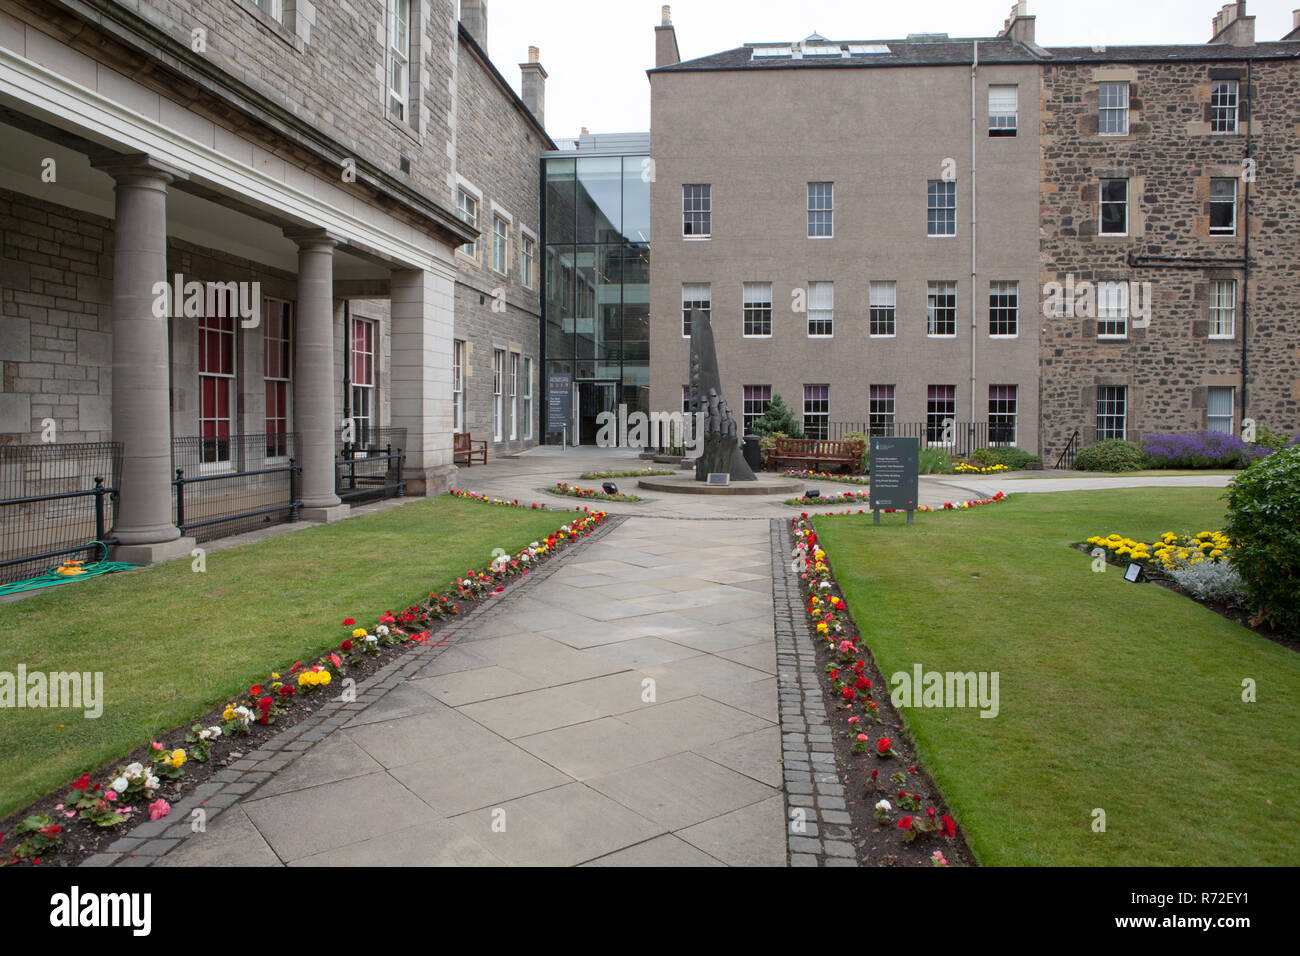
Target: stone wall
(1170, 157)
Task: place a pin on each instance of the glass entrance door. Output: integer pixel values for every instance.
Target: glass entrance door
(594, 397)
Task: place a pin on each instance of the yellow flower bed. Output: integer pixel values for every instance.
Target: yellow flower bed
(966, 468)
(1170, 550)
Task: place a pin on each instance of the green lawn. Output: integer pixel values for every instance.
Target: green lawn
(172, 643)
(1113, 695)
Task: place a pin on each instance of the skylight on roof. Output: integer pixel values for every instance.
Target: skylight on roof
(821, 49)
(856, 49)
(764, 52)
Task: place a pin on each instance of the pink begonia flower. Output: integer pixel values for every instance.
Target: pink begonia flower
(159, 808)
(156, 745)
(70, 814)
(110, 795)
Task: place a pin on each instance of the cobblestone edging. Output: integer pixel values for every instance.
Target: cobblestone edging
(818, 829)
(152, 839)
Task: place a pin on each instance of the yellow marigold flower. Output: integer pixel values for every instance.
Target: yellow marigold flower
(359, 632)
(324, 677)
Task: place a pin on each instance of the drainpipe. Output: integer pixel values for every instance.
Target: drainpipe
(1245, 282)
(975, 64)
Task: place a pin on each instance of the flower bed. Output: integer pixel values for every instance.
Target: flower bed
(643, 473)
(896, 809)
(100, 807)
(823, 476)
(484, 499)
(1170, 550)
(573, 491)
(966, 468)
(847, 498)
(852, 497)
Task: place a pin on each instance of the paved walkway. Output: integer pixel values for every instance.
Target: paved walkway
(623, 711)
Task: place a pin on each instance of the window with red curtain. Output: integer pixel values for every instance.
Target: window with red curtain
(278, 376)
(363, 378)
(216, 386)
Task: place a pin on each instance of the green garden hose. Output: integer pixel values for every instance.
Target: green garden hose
(53, 577)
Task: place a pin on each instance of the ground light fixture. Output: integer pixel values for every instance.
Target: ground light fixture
(813, 493)
(1134, 573)
(610, 488)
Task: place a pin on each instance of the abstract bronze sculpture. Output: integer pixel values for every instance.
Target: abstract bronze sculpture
(722, 449)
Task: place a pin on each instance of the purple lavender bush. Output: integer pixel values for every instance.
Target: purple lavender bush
(1200, 450)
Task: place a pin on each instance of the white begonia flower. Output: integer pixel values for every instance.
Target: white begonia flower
(884, 806)
(150, 782)
(133, 770)
(371, 639)
(119, 784)
(534, 545)
(381, 630)
(216, 731)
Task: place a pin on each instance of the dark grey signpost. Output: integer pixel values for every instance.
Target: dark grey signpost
(894, 463)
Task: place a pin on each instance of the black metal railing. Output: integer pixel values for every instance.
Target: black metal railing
(955, 437)
(371, 465)
(1070, 450)
(56, 500)
(235, 483)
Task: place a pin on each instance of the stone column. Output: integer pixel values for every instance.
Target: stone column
(313, 376)
(141, 382)
(422, 317)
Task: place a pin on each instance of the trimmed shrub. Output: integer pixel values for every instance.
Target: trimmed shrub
(1199, 450)
(1113, 454)
(1264, 526)
(1274, 441)
(866, 448)
(1014, 458)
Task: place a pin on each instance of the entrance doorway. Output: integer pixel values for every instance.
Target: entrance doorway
(594, 397)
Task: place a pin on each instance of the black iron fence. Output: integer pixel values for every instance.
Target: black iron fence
(57, 501)
(370, 465)
(235, 483)
(955, 437)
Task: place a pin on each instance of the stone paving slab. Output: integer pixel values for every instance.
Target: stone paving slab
(566, 724)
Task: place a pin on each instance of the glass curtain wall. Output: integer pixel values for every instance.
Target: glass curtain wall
(597, 291)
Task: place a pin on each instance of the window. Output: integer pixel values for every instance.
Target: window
(881, 410)
(498, 373)
(1114, 207)
(1002, 414)
(216, 385)
(363, 379)
(757, 399)
(697, 211)
(1112, 412)
(941, 309)
(272, 8)
(1112, 310)
(528, 398)
(821, 210)
(821, 309)
(467, 206)
(1223, 308)
(758, 308)
(1112, 114)
(695, 295)
(277, 374)
(1223, 207)
(514, 396)
(1004, 308)
(528, 259)
(500, 245)
(940, 408)
(883, 305)
(941, 208)
(1219, 415)
(1003, 106)
(399, 58)
(1223, 106)
(458, 386)
(686, 399)
(816, 410)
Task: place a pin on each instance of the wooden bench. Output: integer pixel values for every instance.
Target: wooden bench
(818, 452)
(465, 446)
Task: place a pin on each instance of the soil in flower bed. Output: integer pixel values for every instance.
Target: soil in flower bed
(1238, 615)
(883, 842)
(82, 840)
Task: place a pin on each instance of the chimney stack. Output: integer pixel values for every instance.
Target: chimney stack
(1019, 26)
(1233, 27)
(473, 17)
(534, 85)
(1295, 28)
(666, 53)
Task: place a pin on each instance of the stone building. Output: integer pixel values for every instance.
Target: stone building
(310, 163)
(893, 244)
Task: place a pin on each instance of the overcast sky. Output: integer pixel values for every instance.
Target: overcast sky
(597, 51)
